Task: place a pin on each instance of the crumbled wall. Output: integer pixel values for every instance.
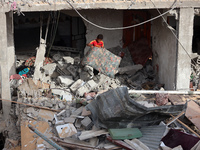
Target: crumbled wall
(164, 53)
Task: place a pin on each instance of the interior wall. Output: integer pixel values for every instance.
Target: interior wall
(105, 18)
(164, 53)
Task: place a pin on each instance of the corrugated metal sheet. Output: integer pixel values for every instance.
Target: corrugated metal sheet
(152, 136)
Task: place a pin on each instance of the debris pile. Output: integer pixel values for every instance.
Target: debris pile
(110, 120)
(73, 106)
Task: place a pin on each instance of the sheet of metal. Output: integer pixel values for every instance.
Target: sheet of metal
(152, 136)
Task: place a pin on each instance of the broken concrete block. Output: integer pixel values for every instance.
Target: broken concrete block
(57, 57)
(78, 123)
(86, 87)
(68, 59)
(86, 122)
(40, 147)
(56, 91)
(66, 130)
(61, 105)
(72, 70)
(78, 111)
(89, 69)
(76, 85)
(39, 60)
(61, 70)
(65, 80)
(31, 110)
(49, 68)
(69, 120)
(85, 76)
(46, 79)
(67, 96)
(48, 104)
(77, 60)
(46, 114)
(85, 112)
(130, 69)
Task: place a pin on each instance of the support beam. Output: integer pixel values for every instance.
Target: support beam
(185, 34)
(10, 43)
(4, 66)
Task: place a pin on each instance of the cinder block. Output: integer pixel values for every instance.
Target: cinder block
(78, 111)
(86, 87)
(69, 120)
(76, 85)
(65, 80)
(86, 122)
(68, 59)
(72, 70)
(66, 130)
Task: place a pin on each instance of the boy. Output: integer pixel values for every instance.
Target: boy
(98, 42)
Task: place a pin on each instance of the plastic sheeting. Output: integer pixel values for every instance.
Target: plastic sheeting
(115, 109)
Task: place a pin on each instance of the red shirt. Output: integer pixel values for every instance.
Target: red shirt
(96, 44)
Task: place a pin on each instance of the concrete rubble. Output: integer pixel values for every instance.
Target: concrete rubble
(57, 102)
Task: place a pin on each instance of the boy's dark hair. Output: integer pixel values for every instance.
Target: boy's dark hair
(100, 36)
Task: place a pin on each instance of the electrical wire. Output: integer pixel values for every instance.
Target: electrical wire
(173, 32)
(121, 28)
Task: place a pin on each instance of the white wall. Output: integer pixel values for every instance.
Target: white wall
(102, 17)
(164, 53)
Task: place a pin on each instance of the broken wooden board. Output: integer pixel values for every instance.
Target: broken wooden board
(28, 137)
(126, 133)
(136, 144)
(177, 99)
(193, 113)
(16, 148)
(90, 134)
(120, 143)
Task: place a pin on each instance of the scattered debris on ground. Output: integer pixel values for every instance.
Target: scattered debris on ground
(73, 104)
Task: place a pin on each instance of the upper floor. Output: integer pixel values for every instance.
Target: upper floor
(52, 5)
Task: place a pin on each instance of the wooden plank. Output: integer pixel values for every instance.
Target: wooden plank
(137, 144)
(193, 113)
(90, 134)
(176, 99)
(28, 140)
(186, 126)
(120, 143)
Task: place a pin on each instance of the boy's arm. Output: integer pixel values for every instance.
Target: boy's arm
(103, 45)
(90, 44)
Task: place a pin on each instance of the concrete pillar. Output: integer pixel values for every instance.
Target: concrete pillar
(185, 34)
(10, 43)
(4, 65)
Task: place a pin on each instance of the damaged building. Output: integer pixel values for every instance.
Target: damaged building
(44, 62)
